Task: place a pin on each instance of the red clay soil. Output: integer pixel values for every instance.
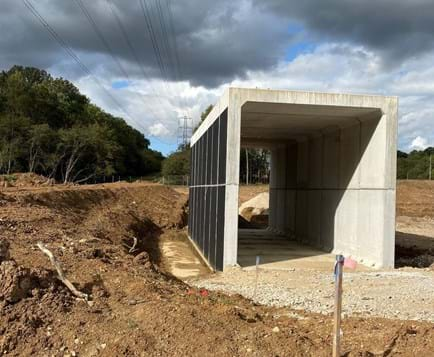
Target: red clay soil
(137, 308)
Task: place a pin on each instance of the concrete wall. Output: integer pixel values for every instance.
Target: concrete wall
(329, 191)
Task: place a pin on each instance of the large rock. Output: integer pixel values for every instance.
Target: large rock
(256, 210)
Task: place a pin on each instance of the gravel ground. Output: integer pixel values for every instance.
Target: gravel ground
(406, 294)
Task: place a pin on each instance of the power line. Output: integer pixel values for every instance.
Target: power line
(101, 36)
(73, 55)
(175, 44)
(124, 33)
(138, 60)
(146, 11)
(110, 51)
(165, 37)
(168, 46)
(156, 48)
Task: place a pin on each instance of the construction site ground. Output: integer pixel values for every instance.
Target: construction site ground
(121, 244)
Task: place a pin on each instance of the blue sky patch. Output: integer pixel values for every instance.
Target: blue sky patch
(163, 147)
(298, 48)
(120, 84)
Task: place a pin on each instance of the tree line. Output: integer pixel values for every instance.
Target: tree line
(48, 127)
(416, 164)
(255, 163)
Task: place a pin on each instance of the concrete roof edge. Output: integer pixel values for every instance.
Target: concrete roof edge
(316, 92)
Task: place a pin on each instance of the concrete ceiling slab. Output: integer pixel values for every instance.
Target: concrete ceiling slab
(292, 121)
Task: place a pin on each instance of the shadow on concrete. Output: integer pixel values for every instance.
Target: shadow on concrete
(277, 251)
(299, 242)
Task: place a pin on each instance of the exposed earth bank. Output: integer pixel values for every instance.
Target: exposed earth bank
(107, 239)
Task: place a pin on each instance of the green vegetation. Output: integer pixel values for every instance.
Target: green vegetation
(177, 163)
(48, 127)
(415, 165)
(255, 162)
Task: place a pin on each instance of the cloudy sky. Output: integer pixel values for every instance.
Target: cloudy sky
(155, 61)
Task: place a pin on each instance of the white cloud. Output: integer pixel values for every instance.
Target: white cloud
(419, 143)
(158, 130)
(329, 67)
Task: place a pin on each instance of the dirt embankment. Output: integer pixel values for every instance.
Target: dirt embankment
(415, 223)
(138, 309)
(415, 198)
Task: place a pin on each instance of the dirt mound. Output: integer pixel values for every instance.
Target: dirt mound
(28, 299)
(415, 198)
(24, 180)
(138, 310)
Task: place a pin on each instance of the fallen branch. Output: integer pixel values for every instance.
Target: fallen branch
(61, 275)
(133, 247)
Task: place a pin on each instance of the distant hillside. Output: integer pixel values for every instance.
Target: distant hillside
(48, 127)
(415, 165)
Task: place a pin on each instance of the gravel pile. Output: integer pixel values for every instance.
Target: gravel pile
(407, 295)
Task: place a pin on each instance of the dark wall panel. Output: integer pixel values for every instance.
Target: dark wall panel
(223, 146)
(207, 191)
(220, 227)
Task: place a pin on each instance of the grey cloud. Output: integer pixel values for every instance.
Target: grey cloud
(398, 29)
(217, 40)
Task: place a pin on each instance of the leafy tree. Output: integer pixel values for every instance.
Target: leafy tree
(47, 126)
(13, 134)
(203, 115)
(42, 140)
(414, 165)
(258, 164)
(177, 163)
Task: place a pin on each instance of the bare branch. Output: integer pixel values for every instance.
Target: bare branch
(131, 249)
(61, 275)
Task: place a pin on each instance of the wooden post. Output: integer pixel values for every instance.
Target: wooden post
(338, 306)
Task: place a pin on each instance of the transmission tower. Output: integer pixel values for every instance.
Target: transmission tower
(184, 131)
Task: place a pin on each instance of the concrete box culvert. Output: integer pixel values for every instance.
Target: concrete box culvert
(333, 171)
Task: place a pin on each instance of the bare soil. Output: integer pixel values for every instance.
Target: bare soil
(138, 308)
(415, 224)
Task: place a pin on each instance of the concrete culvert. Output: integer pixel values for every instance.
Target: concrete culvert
(332, 180)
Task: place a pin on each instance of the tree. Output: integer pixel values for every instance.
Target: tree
(85, 151)
(258, 164)
(13, 134)
(177, 164)
(203, 115)
(42, 139)
(414, 165)
(47, 126)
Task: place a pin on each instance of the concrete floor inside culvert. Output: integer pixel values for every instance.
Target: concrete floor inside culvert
(277, 252)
